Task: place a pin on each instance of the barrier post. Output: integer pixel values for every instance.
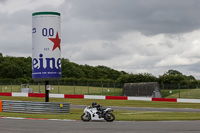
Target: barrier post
(1, 106)
(46, 91)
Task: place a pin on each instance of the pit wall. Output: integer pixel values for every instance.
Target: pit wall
(100, 97)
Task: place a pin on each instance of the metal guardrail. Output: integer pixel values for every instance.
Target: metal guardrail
(35, 107)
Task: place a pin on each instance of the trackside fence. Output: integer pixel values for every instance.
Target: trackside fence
(113, 89)
(180, 91)
(109, 89)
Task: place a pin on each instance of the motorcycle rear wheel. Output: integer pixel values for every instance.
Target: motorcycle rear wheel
(109, 117)
(85, 117)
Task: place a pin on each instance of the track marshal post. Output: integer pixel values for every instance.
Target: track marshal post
(46, 48)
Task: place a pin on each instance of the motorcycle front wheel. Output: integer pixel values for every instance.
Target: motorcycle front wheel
(109, 117)
(85, 117)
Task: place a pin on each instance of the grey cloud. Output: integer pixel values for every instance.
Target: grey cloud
(112, 18)
(194, 67)
(104, 51)
(22, 17)
(2, 1)
(15, 33)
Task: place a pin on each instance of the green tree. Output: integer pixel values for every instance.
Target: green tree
(173, 72)
(176, 77)
(10, 70)
(1, 57)
(135, 78)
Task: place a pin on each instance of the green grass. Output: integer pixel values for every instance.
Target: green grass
(123, 115)
(62, 89)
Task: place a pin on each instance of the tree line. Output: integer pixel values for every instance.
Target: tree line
(19, 70)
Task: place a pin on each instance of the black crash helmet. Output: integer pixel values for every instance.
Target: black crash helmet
(93, 104)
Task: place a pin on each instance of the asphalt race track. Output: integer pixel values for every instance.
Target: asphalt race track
(56, 126)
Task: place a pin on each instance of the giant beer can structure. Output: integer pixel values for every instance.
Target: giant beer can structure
(46, 46)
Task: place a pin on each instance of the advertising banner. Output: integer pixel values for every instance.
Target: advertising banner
(46, 46)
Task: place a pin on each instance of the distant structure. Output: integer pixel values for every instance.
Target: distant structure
(145, 89)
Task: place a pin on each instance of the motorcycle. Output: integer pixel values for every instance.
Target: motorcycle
(91, 113)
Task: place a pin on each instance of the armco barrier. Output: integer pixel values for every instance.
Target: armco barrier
(140, 98)
(164, 99)
(5, 94)
(57, 95)
(36, 95)
(188, 100)
(117, 97)
(35, 107)
(102, 97)
(94, 97)
(20, 94)
(74, 96)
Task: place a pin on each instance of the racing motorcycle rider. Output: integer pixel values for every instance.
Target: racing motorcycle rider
(98, 107)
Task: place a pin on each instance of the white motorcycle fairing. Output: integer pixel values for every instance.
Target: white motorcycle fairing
(93, 113)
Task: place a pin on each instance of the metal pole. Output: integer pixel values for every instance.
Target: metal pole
(114, 88)
(74, 88)
(102, 88)
(163, 90)
(179, 91)
(88, 88)
(146, 89)
(28, 84)
(197, 90)
(46, 92)
(58, 88)
(81, 89)
(39, 86)
(11, 86)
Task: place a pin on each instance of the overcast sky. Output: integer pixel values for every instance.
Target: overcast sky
(135, 36)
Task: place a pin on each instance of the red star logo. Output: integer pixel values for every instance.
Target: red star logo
(56, 42)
